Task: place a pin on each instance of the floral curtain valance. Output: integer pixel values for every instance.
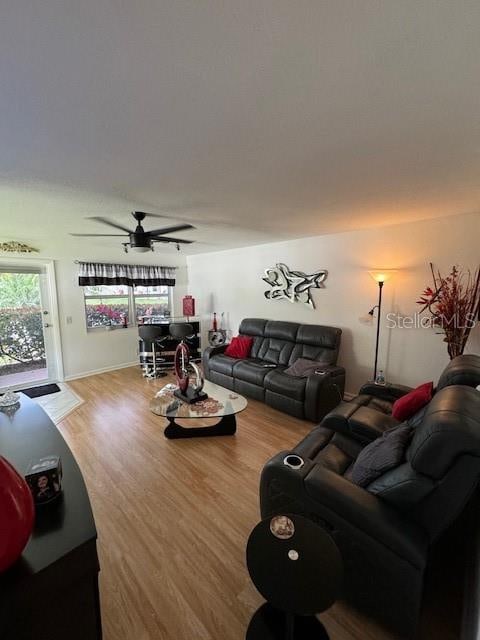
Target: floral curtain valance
(95, 273)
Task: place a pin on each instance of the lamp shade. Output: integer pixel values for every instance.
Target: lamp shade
(382, 275)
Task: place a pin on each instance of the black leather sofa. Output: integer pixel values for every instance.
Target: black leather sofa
(386, 531)
(281, 344)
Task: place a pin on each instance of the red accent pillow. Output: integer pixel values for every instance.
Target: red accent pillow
(239, 347)
(408, 405)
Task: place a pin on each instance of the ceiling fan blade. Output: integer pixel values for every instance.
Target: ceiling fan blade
(165, 230)
(110, 223)
(98, 235)
(175, 240)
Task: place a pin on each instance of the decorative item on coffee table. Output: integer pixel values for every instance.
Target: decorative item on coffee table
(9, 399)
(186, 392)
(298, 569)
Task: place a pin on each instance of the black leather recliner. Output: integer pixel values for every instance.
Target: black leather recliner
(385, 532)
(281, 344)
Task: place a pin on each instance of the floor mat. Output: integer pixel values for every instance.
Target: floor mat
(60, 405)
(44, 390)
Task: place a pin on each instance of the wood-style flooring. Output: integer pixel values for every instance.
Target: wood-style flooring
(173, 517)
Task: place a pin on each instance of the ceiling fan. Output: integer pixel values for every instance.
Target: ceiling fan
(139, 239)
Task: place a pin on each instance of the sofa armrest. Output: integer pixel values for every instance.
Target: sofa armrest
(358, 422)
(209, 353)
(323, 391)
(384, 392)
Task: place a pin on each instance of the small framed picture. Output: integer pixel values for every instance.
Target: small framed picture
(282, 527)
(44, 477)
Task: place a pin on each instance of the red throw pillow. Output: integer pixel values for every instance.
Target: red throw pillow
(239, 347)
(408, 405)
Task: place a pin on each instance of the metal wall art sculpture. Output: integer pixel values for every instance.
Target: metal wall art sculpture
(294, 286)
(16, 247)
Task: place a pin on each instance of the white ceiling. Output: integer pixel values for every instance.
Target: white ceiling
(277, 118)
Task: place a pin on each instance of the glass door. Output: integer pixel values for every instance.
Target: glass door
(26, 344)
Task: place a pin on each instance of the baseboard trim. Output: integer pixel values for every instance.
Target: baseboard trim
(348, 396)
(94, 372)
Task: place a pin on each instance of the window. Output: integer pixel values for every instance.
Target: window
(106, 305)
(115, 305)
(151, 301)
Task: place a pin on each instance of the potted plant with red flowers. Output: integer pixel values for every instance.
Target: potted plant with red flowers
(454, 305)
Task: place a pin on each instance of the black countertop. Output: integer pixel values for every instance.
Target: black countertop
(61, 527)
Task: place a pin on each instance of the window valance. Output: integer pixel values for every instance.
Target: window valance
(94, 273)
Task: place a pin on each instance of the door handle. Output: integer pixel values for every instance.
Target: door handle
(46, 325)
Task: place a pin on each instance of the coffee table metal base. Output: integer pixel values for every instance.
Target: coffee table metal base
(227, 426)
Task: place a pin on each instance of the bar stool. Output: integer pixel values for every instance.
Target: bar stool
(180, 330)
(153, 338)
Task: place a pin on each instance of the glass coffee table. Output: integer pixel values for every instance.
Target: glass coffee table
(221, 403)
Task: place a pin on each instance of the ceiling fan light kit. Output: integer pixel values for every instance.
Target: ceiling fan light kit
(140, 240)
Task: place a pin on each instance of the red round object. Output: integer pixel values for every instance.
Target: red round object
(17, 514)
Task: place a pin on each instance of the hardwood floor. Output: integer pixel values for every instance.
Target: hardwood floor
(173, 517)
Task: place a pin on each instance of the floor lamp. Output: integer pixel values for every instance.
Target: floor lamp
(380, 277)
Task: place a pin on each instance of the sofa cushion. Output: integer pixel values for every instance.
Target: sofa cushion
(329, 449)
(285, 385)
(450, 428)
(317, 343)
(381, 455)
(464, 370)
(239, 347)
(319, 336)
(286, 331)
(254, 327)
(408, 405)
(357, 421)
(276, 351)
(223, 364)
(379, 404)
(252, 370)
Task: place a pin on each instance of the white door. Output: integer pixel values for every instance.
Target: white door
(27, 344)
(48, 320)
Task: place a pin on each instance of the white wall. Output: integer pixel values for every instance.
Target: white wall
(84, 352)
(231, 281)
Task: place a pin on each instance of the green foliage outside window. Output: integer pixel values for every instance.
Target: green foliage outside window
(21, 332)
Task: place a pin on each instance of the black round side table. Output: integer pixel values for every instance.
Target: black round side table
(298, 569)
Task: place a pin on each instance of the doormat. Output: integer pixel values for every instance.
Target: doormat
(44, 390)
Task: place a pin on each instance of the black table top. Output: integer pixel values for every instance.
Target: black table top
(305, 583)
(63, 526)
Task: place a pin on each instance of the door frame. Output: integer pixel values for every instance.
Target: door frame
(51, 302)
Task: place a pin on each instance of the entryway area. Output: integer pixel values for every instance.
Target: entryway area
(30, 352)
